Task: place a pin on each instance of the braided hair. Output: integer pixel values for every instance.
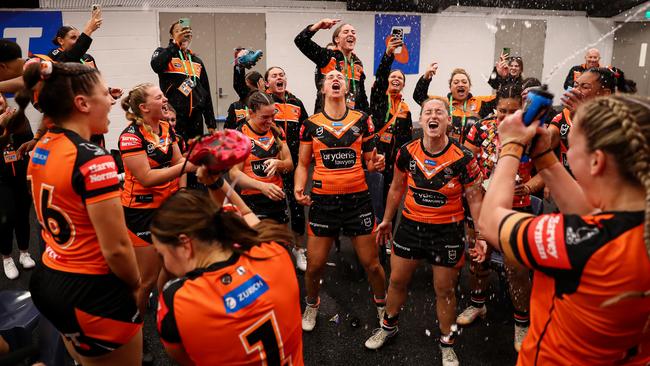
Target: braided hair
(619, 125)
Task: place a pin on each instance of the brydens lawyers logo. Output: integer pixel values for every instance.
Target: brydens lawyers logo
(99, 173)
(245, 294)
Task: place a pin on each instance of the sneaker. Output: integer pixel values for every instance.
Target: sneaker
(309, 318)
(220, 151)
(301, 259)
(520, 334)
(469, 315)
(379, 337)
(26, 260)
(10, 268)
(247, 58)
(449, 357)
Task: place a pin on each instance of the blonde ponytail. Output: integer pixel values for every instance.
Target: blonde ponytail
(131, 105)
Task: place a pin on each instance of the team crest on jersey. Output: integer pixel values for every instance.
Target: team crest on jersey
(355, 130)
(564, 129)
(412, 165)
(150, 148)
(451, 254)
(245, 294)
(319, 131)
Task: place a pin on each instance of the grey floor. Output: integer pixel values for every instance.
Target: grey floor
(345, 293)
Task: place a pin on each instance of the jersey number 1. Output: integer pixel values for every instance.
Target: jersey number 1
(263, 338)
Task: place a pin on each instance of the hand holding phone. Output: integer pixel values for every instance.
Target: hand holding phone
(398, 34)
(184, 22)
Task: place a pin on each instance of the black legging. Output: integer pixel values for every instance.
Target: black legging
(296, 210)
(14, 210)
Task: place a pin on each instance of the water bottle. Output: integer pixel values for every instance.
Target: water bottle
(538, 103)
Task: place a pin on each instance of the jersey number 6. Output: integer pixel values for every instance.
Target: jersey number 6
(263, 338)
(53, 219)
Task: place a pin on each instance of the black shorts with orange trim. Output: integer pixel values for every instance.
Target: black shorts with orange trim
(138, 223)
(96, 313)
(440, 244)
(350, 213)
(266, 208)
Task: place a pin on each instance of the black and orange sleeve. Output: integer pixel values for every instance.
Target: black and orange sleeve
(130, 142)
(369, 135)
(470, 172)
(421, 91)
(305, 132)
(95, 174)
(474, 136)
(165, 317)
(317, 54)
(557, 120)
(403, 159)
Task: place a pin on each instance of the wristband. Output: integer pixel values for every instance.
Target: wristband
(513, 149)
(217, 184)
(545, 160)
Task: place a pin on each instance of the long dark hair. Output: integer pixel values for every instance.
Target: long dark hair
(194, 214)
(57, 85)
(61, 33)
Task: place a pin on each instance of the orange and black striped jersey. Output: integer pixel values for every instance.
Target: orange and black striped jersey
(265, 146)
(563, 123)
(243, 311)
(67, 173)
(436, 182)
(338, 147)
(159, 150)
(580, 262)
(484, 136)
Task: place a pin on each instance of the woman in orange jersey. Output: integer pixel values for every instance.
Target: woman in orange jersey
(88, 282)
(338, 139)
(590, 303)
(465, 109)
(484, 141)
(236, 301)
(152, 165)
(260, 176)
(438, 172)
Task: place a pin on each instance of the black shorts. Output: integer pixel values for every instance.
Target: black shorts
(439, 244)
(138, 222)
(97, 313)
(350, 213)
(266, 208)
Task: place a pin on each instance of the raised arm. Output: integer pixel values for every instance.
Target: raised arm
(421, 92)
(317, 54)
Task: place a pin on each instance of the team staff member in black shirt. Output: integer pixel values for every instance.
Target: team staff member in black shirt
(184, 81)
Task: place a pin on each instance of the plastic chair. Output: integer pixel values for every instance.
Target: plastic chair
(18, 319)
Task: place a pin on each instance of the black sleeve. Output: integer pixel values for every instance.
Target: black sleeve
(208, 112)
(378, 99)
(361, 100)
(568, 82)
(90, 59)
(166, 319)
(231, 118)
(495, 79)
(487, 107)
(239, 82)
(75, 53)
(421, 92)
(404, 131)
(317, 54)
(162, 56)
(403, 159)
